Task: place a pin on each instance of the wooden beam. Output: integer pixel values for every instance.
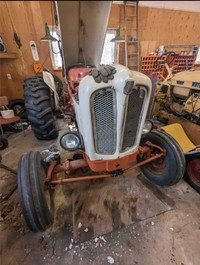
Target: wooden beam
(6, 55)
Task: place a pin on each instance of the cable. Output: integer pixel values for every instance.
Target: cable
(38, 72)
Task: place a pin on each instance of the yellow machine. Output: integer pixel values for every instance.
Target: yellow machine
(185, 95)
(179, 95)
(177, 100)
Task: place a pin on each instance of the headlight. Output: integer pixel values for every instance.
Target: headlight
(70, 141)
(148, 126)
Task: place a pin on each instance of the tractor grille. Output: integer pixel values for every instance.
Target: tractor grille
(103, 104)
(134, 112)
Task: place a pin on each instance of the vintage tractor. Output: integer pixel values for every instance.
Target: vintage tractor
(112, 137)
(109, 105)
(177, 94)
(177, 100)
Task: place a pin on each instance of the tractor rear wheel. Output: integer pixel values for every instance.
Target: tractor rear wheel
(37, 204)
(192, 174)
(166, 170)
(39, 108)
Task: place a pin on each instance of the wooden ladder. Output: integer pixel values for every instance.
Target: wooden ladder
(131, 34)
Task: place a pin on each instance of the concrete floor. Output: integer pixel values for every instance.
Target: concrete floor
(171, 237)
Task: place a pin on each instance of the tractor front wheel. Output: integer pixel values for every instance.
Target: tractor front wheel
(166, 170)
(37, 204)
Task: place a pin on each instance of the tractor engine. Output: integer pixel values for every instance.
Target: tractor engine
(111, 116)
(185, 95)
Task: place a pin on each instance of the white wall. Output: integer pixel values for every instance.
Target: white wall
(193, 6)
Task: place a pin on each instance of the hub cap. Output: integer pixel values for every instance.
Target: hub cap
(158, 166)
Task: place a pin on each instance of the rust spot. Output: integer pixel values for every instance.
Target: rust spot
(116, 217)
(83, 236)
(132, 211)
(81, 23)
(91, 215)
(78, 212)
(133, 200)
(106, 203)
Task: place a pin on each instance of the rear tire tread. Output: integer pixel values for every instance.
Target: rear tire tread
(39, 109)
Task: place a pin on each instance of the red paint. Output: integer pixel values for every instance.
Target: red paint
(106, 165)
(193, 170)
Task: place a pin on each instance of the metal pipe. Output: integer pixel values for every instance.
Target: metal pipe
(144, 162)
(138, 45)
(125, 35)
(60, 181)
(192, 152)
(75, 164)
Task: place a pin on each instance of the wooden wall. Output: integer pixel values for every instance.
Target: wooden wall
(160, 27)
(27, 18)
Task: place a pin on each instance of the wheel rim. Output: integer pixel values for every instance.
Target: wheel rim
(158, 166)
(46, 192)
(193, 170)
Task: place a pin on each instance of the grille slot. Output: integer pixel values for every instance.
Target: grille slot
(103, 103)
(132, 119)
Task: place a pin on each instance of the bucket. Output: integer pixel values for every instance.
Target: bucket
(7, 114)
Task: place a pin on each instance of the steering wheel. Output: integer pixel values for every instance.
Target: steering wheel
(158, 64)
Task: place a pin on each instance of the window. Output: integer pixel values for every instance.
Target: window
(54, 49)
(108, 55)
(198, 57)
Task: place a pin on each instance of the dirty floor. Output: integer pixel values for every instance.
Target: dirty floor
(160, 236)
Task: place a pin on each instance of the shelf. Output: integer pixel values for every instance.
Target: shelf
(8, 55)
(132, 41)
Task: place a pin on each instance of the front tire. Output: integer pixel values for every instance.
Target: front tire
(169, 169)
(37, 212)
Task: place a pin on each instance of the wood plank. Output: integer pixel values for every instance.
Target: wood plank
(8, 55)
(28, 19)
(110, 204)
(162, 26)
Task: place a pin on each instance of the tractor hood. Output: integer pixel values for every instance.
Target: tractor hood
(187, 79)
(83, 26)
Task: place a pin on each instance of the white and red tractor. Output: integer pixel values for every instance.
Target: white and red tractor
(109, 105)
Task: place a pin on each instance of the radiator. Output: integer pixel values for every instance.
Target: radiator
(132, 118)
(103, 108)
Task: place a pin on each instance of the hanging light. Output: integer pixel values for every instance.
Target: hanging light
(117, 37)
(48, 36)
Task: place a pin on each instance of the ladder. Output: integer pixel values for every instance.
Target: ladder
(131, 33)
